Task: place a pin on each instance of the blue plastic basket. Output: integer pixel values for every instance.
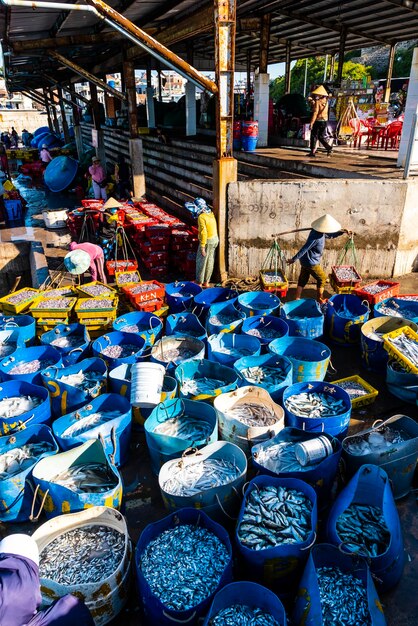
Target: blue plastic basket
(304, 318)
(275, 325)
(373, 354)
(310, 358)
(185, 323)
(13, 212)
(227, 348)
(267, 360)
(258, 303)
(206, 369)
(28, 355)
(204, 300)
(179, 295)
(69, 355)
(228, 309)
(116, 338)
(41, 414)
(345, 314)
(150, 326)
(25, 324)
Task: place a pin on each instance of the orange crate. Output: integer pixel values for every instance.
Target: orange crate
(127, 265)
(136, 295)
(392, 289)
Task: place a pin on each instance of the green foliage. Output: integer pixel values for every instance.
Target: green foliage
(315, 76)
(403, 62)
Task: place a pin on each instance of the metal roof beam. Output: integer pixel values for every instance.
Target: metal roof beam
(65, 41)
(405, 4)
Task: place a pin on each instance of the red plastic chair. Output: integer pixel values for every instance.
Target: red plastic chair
(360, 130)
(392, 136)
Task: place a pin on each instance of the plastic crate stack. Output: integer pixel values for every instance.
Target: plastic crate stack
(183, 251)
(146, 296)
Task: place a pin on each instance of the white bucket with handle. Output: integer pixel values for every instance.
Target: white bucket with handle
(146, 384)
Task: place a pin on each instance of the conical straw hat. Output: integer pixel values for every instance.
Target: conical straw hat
(320, 91)
(111, 204)
(326, 224)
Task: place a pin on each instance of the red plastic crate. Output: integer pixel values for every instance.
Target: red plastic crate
(149, 307)
(128, 265)
(391, 291)
(159, 244)
(158, 230)
(157, 293)
(155, 259)
(92, 204)
(158, 272)
(345, 283)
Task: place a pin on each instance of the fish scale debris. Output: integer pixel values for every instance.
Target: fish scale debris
(243, 615)
(87, 477)
(120, 351)
(281, 458)
(362, 528)
(89, 554)
(185, 427)
(266, 375)
(19, 459)
(202, 385)
(343, 598)
(377, 441)
(31, 367)
(184, 565)
(275, 516)
(90, 421)
(87, 381)
(189, 479)
(315, 404)
(252, 414)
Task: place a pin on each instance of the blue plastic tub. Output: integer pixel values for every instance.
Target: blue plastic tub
(227, 348)
(336, 425)
(66, 398)
(188, 347)
(50, 140)
(179, 295)
(345, 314)
(13, 213)
(248, 144)
(232, 316)
(407, 309)
(304, 318)
(45, 354)
(267, 360)
(41, 414)
(37, 141)
(258, 303)
(156, 613)
(163, 448)
(10, 342)
(310, 358)
(250, 594)
(41, 130)
(185, 323)
(17, 491)
(373, 354)
(150, 327)
(269, 326)
(204, 300)
(403, 385)
(69, 355)
(60, 173)
(116, 338)
(195, 370)
(115, 433)
(25, 324)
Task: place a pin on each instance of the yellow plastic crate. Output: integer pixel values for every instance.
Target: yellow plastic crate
(8, 306)
(45, 324)
(395, 353)
(97, 326)
(118, 276)
(58, 292)
(83, 290)
(47, 313)
(338, 289)
(369, 398)
(163, 312)
(86, 313)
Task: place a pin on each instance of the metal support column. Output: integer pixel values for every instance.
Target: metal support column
(98, 137)
(135, 144)
(54, 112)
(332, 68)
(264, 43)
(262, 84)
(76, 122)
(341, 52)
(287, 67)
(248, 98)
(389, 72)
(160, 85)
(129, 81)
(48, 112)
(150, 98)
(63, 117)
(225, 167)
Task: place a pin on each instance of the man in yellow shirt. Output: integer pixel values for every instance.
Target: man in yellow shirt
(208, 242)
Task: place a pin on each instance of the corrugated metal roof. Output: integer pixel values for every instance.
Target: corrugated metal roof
(312, 27)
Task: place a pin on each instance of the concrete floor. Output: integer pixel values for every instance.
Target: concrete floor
(143, 503)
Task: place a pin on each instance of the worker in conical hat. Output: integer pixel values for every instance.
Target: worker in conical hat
(310, 255)
(319, 120)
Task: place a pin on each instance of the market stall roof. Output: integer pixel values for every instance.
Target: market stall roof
(311, 26)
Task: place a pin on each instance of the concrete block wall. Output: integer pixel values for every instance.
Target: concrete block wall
(14, 261)
(377, 211)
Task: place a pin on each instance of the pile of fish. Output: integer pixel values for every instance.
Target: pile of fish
(185, 427)
(18, 460)
(183, 565)
(376, 336)
(243, 615)
(223, 319)
(23, 296)
(131, 328)
(235, 352)
(275, 516)
(94, 303)
(375, 442)
(202, 385)
(6, 349)
(120, 351)
(87, 423)
(175, 354)
(189, 479)
(68, 341)
(59, 292)
(87, 381)
(142, 288)
(343, 598)
(407, 346)
(315, 404)
(375, 288)
(252, 414)
(87, 477)
(273, 277)
(392, 309)
(362, 528)
(179, 294)
(281, 458)
(54, 303)
(353, 388)
(97, 290)
(30, 367)
(264, 332)
(346, 274)
(128, 277)
(411, 298)
(88, 554)
(264, 375)
(17, 405)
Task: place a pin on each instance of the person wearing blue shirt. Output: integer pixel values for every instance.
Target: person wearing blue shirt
(310, 255)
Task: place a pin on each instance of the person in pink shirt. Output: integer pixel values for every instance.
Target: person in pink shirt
(96, 258)
(45, 155)
(98, 177)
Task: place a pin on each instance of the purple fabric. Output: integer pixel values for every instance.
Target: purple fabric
(20, 596)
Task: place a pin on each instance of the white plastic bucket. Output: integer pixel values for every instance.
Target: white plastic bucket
(55, 219)
(146, 384)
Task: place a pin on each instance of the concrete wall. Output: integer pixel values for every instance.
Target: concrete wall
(14, 261)
(20, 119)
(379, 212)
